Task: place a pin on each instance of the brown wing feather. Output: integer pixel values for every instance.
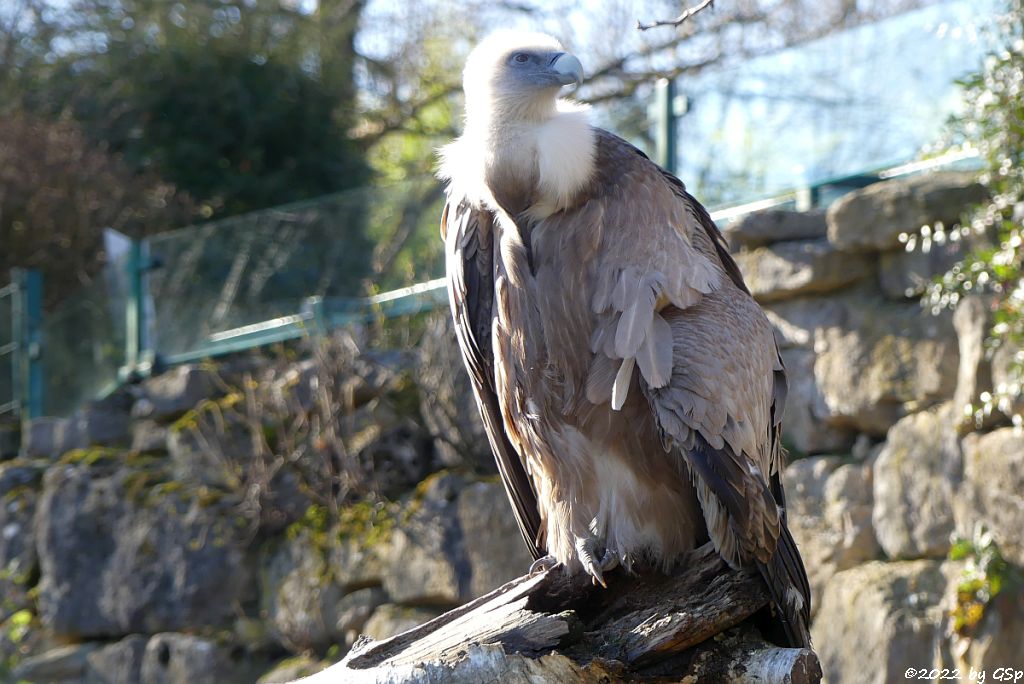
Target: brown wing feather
(469, 251)
(721, 410)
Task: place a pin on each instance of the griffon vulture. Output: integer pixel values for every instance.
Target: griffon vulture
(630, 386)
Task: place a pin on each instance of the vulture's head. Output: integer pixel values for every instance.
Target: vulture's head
(517, 75)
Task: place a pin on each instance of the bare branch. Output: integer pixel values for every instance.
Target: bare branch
(678, 20)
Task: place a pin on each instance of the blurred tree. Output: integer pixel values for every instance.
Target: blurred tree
(242, 104)
(57, 193)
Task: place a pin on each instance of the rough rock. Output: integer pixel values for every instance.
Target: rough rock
(884, 360)
(178, 390)
(805, 425)
(390, 619)
(997, 640)
(878, 619)
(871, 219)
(148, 436)
(209, 445)
(798, 321)
(915, 479)
(19, 493)
(116, 663)
(493, 544)
(300, 596)
(766, 227)
(63, 665)
(291, 669)
(423, 565)
(905, 275)
(790, 269)
(184, 659)
(1007, 381)
(106, 422)
(992, 486)
(45, 437)
(120, 551)
(972, 319)
(830, 517)
(354, 609)
(98, 423)
(356, 564)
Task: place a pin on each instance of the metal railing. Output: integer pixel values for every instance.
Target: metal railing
(21, 396)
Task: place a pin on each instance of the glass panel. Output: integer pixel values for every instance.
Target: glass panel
(243, 270)
(83, 343)
(855, 101)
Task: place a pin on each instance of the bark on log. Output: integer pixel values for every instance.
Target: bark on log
(695, 625)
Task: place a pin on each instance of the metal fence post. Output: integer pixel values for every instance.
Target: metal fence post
(665, 103)
(138, 358)
(27, 314)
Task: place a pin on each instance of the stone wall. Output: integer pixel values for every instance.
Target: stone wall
(186, 530)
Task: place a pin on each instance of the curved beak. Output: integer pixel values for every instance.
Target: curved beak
(567, 68)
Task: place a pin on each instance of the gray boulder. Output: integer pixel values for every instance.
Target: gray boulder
(830, 516)
(882, 361)
(797, 322)
(916, 476)
(299, 594)
(905, 275)
(806, 426)
(1007, 381)
(175, 391)
(878, 619)
(184, 659)
(63, 665)
(116, 663)
(774, 225)
(494, 548)
(790, 269)
(972, 320)
(119, 553)
(871, 219)
(991, 491)
(425, 551)
(390, 619)
(19, 493)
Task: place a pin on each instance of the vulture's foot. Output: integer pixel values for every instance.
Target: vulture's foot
(542, 565)
(587, 551)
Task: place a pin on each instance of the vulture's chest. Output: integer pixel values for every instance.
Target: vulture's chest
(543, 317)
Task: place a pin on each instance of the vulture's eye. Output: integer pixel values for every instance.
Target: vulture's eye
(521, 57)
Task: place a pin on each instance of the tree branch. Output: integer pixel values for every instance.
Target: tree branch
(678, 20)
(550, 627)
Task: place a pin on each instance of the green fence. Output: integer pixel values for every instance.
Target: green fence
(20, 350)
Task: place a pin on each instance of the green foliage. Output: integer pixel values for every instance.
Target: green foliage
(985, 575)
(242, 104)
(15, 633)
(993, 124)
(143, 115)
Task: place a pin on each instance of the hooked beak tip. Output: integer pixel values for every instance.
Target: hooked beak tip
(568, 68)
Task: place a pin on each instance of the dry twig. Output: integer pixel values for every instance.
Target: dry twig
(678, 20)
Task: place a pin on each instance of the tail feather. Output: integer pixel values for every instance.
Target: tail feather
(791, 594)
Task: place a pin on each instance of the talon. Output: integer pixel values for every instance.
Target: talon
(596, 576)
(627, 563)
(585, 550)
(542, 565)
(609, 561)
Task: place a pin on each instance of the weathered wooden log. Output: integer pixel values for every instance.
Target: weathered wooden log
(695, 625)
